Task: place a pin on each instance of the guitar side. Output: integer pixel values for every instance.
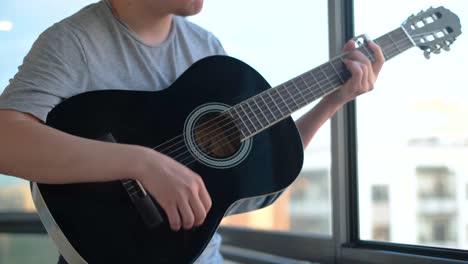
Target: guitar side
(99, 220)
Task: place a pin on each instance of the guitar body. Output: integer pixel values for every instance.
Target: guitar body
(100, 221)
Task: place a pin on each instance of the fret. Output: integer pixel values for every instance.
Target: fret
(326, 76)
(282, 99)
(237, 123)
(367, 52)
(248, 117)
(261, 110)
(345, 74)
(291, 96)
(384, 52)
(292, 105)
(394, 43)
(388, 47)
(268, 107)
(336, 71)
(318, 79)
(298, 91)
(307, 86)
(316, 82)
(242, 120)
(332, 77)
(255, 113)
(274, 102)
(404, 40)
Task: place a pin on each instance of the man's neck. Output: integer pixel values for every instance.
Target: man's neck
(152, 28)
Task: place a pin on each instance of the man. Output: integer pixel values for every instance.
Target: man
(127, 44)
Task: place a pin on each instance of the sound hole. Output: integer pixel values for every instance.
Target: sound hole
(216, 135)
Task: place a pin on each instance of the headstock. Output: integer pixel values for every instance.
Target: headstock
(433, 29)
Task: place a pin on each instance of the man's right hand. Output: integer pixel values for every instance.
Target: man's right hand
(178, 190)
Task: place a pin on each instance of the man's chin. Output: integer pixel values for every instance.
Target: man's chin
(194, 8)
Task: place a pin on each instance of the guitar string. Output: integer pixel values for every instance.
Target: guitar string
(236, 131)
(253, 105)
(231, 122)
(220, 118)
(167, 142)
(366, 50)
(181, 135)
(290, 86)
(308, 92)
(229, 142)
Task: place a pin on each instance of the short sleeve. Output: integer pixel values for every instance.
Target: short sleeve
(54, 69)
(217, 46)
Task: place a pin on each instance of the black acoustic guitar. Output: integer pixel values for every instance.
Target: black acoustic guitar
(222, 120)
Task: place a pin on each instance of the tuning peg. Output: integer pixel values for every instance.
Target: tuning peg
(446, 46)
(427, 54)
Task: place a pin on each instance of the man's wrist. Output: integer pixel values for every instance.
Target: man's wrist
(330, 101)
(135, 163)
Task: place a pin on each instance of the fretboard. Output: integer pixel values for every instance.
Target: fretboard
(273, 105)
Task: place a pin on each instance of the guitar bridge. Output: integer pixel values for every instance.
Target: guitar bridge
(139, 197)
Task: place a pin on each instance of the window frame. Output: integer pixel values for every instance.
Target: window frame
(353, 249)
(344, 246)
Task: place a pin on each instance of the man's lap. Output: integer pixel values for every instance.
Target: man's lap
(210, 255)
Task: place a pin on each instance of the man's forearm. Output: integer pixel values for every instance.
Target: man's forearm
(309, 123)
(35, 152)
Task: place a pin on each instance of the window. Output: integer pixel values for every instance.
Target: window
(466, 190)
(380, 213)
(15, 196)
(412, 138)
(284, 43)
(435, 182)
(380, 193)
(21, 22)
(30, 248)
(437, 230)
(380, 232)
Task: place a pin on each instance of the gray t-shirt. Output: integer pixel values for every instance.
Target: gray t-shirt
(93, 50)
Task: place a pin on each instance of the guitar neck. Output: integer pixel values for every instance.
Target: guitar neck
(273, 105)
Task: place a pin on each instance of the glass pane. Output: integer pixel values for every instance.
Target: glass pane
(413, 137)
(25, 249)
(15, 195)
(21, 22)
(281, 42)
